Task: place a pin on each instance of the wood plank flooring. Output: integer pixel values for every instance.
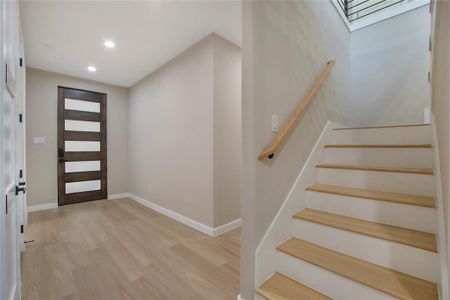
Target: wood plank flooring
(122, 250)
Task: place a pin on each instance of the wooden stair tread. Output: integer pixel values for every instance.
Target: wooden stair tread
(374, 195)
(377, 169)
(280, 287)
(391, 282)
(394, 146)
(385, 126)
(413, 238)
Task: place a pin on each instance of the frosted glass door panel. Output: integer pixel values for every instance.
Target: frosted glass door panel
(82, 105)
(72, 125)
(83, 186)
(82, 166)
(82, 146)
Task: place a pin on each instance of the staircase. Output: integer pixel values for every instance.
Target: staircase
(368, 227)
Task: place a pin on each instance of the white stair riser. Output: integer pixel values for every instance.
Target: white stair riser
(390, 157)
(410, 260)
(402, 215)
(325, 282)
(397, 135)
(406, 183)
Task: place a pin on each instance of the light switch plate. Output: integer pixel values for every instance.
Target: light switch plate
(275, 126)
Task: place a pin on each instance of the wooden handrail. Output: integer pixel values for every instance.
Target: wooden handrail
(296, 114)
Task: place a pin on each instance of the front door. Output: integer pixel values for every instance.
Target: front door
(82, 164)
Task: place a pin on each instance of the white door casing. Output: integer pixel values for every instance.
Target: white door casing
(11, 145)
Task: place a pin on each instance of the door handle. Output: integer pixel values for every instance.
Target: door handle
(61, 155)
(20, 188)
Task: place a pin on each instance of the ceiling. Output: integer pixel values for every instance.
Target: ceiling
(67, 36)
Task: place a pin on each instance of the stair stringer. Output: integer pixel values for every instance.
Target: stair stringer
(443, 283)
(281, 226)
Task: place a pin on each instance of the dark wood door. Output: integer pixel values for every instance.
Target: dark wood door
(82, 150)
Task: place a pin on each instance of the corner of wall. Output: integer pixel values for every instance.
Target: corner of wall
(227, 131)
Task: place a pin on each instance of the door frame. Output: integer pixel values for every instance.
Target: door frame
(2, 192)
(12, 209)
(103, 154)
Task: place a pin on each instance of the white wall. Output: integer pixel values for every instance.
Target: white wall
(184, 136)
(389, 67)
(41, 121)
(441, 102)
(227, 132)
(285, 47)
(171, 135)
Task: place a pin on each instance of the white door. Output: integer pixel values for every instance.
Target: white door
(20, 143)
(12, 100)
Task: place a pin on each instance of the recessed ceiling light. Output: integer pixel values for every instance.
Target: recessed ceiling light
(92, 68)
(109, 44)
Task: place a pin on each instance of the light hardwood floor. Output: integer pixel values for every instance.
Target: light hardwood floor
(122, 250)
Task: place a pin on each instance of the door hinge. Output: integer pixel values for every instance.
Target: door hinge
(21, 62)
(20, 173)
(6, 73)
(430, 45)
(429, 76)
(21, 229)
(20, 118)
(6, 198)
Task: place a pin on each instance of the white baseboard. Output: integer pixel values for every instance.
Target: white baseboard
(185, 220)
(118, 196)
(55, 205)
(227, 227)
(171, 214)
(42, 207)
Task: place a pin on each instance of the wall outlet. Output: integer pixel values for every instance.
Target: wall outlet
(275, 126)
(39, 140)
